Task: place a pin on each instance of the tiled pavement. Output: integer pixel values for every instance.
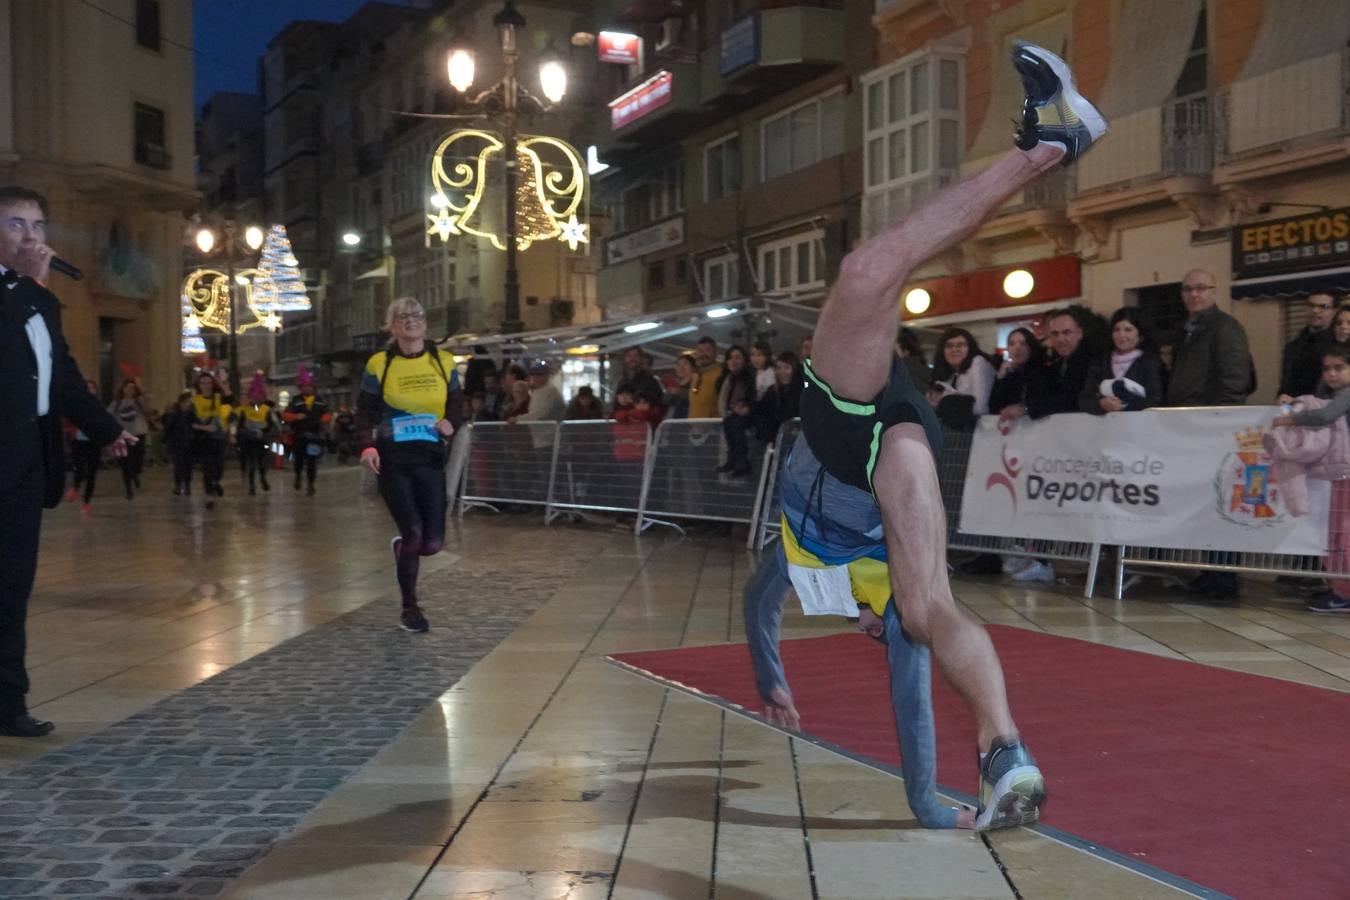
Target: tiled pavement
(187, 794)
(332, 755)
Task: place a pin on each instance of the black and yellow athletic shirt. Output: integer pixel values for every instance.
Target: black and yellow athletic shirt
(402, 398)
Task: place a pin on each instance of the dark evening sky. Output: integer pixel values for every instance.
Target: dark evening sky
(231, 36)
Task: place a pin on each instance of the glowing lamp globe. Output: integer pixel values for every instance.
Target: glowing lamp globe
(1018, 283)
(917, 301)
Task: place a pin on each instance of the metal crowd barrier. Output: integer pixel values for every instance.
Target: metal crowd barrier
(598, 465)
(1333, 566)
(952, 479)
(769, 512)
(509, 464)
(1295, 566)
(683, 480)
(673, 474)
(456, 466)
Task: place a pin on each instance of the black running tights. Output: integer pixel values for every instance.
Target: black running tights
(415, 495)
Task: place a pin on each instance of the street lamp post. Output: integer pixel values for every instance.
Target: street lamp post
(511, 96)
(230, 246)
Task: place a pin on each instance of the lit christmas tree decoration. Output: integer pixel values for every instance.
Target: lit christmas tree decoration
(280, 287)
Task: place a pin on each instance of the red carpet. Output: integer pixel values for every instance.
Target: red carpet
(1237, 782)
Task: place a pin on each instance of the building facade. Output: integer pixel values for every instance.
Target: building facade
(353, 112)
(1224, 113)
(230, 178)
(112, 149)
(787, 151)
(736, 152)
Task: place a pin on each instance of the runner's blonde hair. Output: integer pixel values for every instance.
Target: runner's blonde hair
(399, 307)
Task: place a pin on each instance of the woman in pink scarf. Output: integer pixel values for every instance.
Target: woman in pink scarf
(1129, 376)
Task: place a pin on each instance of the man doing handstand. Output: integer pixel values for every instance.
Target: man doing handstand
(862, 483)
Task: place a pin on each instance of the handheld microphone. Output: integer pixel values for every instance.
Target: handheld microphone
(57, 264)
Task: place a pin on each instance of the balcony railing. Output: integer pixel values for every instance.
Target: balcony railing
(1299, 103)
(1159, 142)
(1188, 137)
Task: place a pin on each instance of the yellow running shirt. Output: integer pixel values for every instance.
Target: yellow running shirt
(414, 396)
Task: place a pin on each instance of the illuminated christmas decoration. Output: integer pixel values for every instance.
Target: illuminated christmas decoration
(550, 189)
(574, 232)
(279, 287)
(206, 304)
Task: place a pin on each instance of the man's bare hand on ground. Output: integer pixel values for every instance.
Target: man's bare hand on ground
(780, 710)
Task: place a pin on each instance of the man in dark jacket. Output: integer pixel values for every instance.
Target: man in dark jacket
(638, 380)
(1213, 366)
(1051, 388)
(1302, 366)
(1054, 387)
(39, 383)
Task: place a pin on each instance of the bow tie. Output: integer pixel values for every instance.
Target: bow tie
(9, 277)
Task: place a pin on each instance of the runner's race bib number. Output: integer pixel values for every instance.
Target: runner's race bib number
(824, 592)
(313, 449)
(415, 428)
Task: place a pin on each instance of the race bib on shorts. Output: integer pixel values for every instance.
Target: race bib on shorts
(414, 428)
(313, 449)
(824, 592)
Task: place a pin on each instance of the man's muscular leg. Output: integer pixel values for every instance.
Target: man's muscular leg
(855, 336)
(906, 488)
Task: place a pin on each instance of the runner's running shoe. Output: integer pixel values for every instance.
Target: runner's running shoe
(1012, 788)
(413, 620)
(1053, 111)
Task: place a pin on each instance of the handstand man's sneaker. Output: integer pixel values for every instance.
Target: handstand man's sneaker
(1012, 788)
(1053, 111)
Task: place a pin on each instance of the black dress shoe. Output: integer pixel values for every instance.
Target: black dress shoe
(24, 726)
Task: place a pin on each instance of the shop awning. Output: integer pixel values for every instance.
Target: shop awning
(1294, 284)
(1150, 40)
(665, 334)
(1300, 30)
(380, 271)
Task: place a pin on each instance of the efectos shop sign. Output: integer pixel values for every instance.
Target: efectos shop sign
(1299, 243)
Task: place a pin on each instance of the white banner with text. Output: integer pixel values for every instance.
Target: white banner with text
(1196, 479)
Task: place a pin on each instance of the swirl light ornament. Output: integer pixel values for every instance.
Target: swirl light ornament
(206, 302)
(550, 189)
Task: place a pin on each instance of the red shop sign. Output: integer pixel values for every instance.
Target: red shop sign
(618, 47)
(652, 94)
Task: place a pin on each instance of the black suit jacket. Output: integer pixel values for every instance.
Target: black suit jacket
(25, 437)
(1054, 387)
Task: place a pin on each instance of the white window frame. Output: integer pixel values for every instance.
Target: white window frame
(711, 147)
(729, 266)
(768, 254)
(764, 124)
(887, 200)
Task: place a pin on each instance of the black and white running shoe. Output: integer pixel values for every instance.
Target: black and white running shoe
(1053, 111)
(1012, 787)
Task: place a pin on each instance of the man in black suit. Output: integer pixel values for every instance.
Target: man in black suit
(39, 383)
